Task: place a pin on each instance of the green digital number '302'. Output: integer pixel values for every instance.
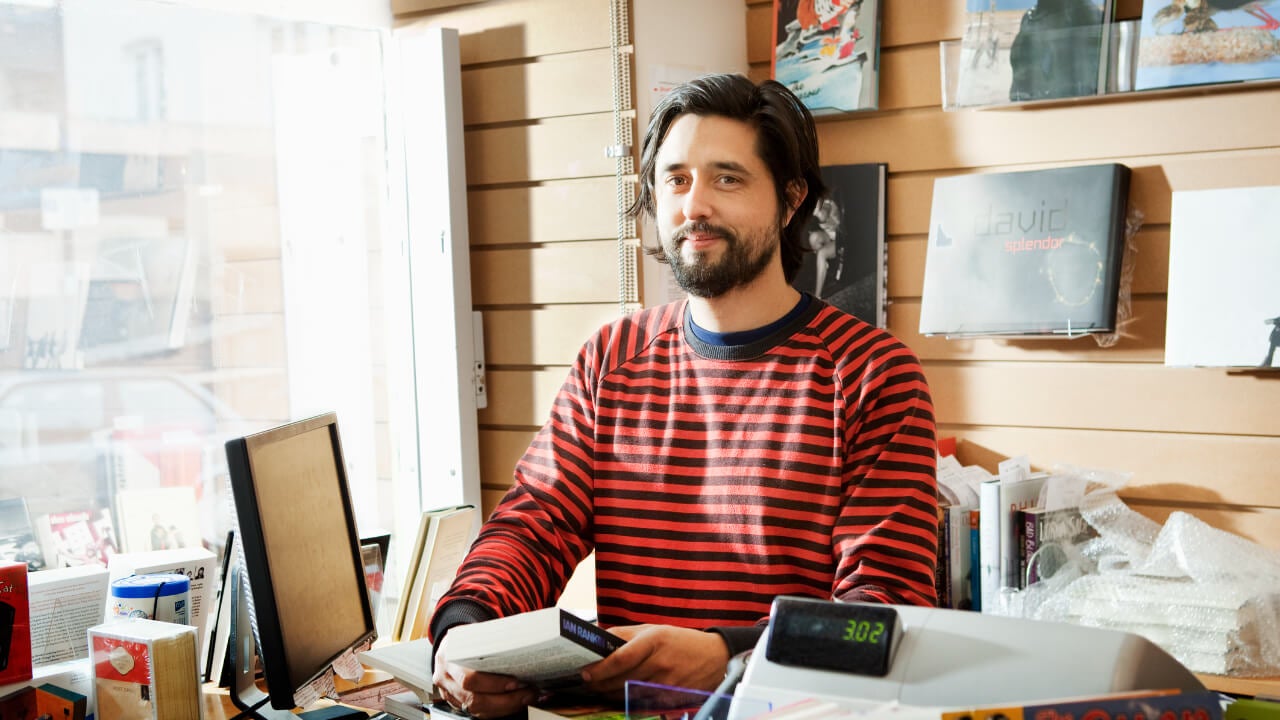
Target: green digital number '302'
(863, 631)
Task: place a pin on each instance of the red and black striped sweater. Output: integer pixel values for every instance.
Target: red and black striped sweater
(710, 479)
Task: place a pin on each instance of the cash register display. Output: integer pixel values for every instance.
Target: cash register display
(846, 637)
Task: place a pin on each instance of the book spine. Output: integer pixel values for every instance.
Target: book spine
(942, 574)
(1030, 544)
(588, 635)
(975, 554)
(989, 541)
(959, 542)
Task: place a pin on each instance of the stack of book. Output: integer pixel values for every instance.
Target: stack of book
(442, 541)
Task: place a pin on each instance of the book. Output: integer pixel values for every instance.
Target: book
(957, 556)
(1018, 50)
(72, 675)
(828, 53)
(406, 705)
(196, 563)
(1197, 43)
(1047, 534)
(848, 265)
(439, 548)
(409, 662)
(145, 670)
(1035, 252)
(1223, 308)
(17, 535)
(53, 701)
(975, 555)
(216, 669)
(65, 603)
(1060, 50)
(15, 623)
(1015, 487)
(544, 647)
(1159, 703)
(162, 518)
(76, 537)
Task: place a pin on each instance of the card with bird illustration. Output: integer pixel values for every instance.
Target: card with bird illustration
(1196, 42)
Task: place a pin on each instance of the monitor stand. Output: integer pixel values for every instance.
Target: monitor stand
(242, 650)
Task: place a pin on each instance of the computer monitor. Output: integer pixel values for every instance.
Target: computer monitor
(301, 555)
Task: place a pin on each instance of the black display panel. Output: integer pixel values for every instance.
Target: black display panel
(846, 637)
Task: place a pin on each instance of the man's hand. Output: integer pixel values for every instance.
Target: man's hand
(484, 695)
(662, 654)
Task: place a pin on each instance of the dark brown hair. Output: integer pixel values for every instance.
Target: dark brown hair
(785, 140)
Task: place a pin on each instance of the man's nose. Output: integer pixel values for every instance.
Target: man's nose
(697, 201)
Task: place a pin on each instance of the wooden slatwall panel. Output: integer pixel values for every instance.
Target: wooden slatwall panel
(1201, 440)
(537, 108)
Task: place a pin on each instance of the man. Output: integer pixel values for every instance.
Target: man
(749, 442)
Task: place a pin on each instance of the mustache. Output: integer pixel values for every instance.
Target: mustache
(705, 228)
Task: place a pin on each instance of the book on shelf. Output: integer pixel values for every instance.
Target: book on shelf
(196, 563)
(1218, 240)
(975, 557)
(15, 623)
(1151, 704)
(145, 670)
(544, 647)
(18, 536)
(955, 561)
(847, 267)
(828, 53)
(1028, 253)
(1181, 43)
(1018, 50)
(65, 603)
(441, 544)
(1014, 488)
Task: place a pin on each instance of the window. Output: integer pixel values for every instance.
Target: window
(196, 242)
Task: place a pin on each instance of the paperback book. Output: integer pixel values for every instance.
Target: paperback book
(1224, 301)
(1183, 43)
(545, 647)
(1030, 253)
(847, 265)
(828, 53)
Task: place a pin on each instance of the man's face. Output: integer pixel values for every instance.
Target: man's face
(717, 211)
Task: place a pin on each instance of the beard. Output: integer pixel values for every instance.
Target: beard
(738, 266)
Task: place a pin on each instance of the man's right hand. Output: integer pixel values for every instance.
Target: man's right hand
(484, 695)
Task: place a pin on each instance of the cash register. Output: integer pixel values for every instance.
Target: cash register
(861, 655)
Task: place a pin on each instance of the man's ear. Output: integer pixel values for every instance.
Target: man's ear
(796, 191)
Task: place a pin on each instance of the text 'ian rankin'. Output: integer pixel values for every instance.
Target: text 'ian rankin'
(1045, 224)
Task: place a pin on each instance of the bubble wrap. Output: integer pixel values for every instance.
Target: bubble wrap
(1209, 598)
